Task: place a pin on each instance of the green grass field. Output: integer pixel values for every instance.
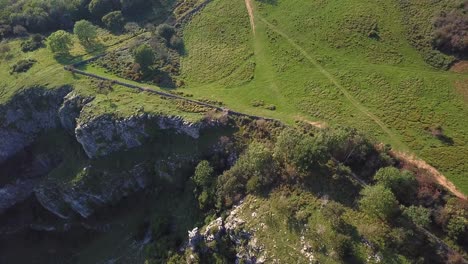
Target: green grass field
(350, 63)
(337, 62)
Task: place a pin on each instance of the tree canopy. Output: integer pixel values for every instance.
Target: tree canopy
(114, 21)
(378, 201)
(144, 55)
(85, 31)
(59, 42)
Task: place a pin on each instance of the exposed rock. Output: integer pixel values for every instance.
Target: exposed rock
(90, 192)
(244, 240)
(12, 194)
(19, 180)
(106, 134)
(26, 115)
(70, 110)
(194, 238)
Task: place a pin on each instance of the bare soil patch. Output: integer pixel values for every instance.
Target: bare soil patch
(460, 67)
(461, 87)
(428, 170)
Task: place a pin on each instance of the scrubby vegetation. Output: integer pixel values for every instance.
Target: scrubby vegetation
(355, 82)
(22, 66)
(49, 15)
(451, 30)
(387, 86)
(304, 183)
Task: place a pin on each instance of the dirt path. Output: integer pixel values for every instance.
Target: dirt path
(249, 5)
(431, 171)
(335, 82)
(412, 160)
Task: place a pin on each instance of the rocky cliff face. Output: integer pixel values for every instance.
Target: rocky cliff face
(26, 115)
(38, 110)
(105, 134)
(85, 195)
(242, 239)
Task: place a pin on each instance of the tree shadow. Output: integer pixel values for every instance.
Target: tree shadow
(446, 140)
(94, 47)
(67, 58)
(269, 2)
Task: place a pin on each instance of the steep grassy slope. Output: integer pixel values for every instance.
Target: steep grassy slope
(48, 70)
(336, 62)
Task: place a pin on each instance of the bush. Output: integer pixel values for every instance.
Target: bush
(32, 44)
(100, 7)
(165, 31)
(378, 201)
(5, 31)
(255, 168)
(114, 21)
(456, 227)
(85, 31)
(132, 28)
(144, 56)
(203, 174)
(438, 60)
(60, 41)
(451, 30)
(418, 215)
(176, 43)
(403, 184)
(4, 48)
(300, 151)
(204, 181)
(22, 66)
(20, 31)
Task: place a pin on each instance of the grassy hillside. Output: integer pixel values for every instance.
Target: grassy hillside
(336, 62)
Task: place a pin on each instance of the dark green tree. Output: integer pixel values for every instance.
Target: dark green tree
(59, 42)
(402, 183)
(98, 8)
(144, 56)
(378, 201)
(114, 21)
(418, 215)
(85, 31)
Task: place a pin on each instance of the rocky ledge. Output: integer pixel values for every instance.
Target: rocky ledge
(106, 134)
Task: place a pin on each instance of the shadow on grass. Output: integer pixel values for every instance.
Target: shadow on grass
(67, 58)
(94, 48)
(270, 2)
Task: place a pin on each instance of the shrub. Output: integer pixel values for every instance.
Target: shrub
(165, 31)
(32, 44)
(22, 66)
(5, 31)
(255, 163)
(100, 7)
(176, 43)
(59, 42)
(300, 151)
(144, 56)
(418, 215)
(378, 201)
(114, 21)
(4, 48)
(203, 174)
(451, 30)
(258, 103)
(456, 227)
(132, 27)
(85, 31)
(403, 184)
(204, 181)
(271, 107)
(19, 30)
(438, 60)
